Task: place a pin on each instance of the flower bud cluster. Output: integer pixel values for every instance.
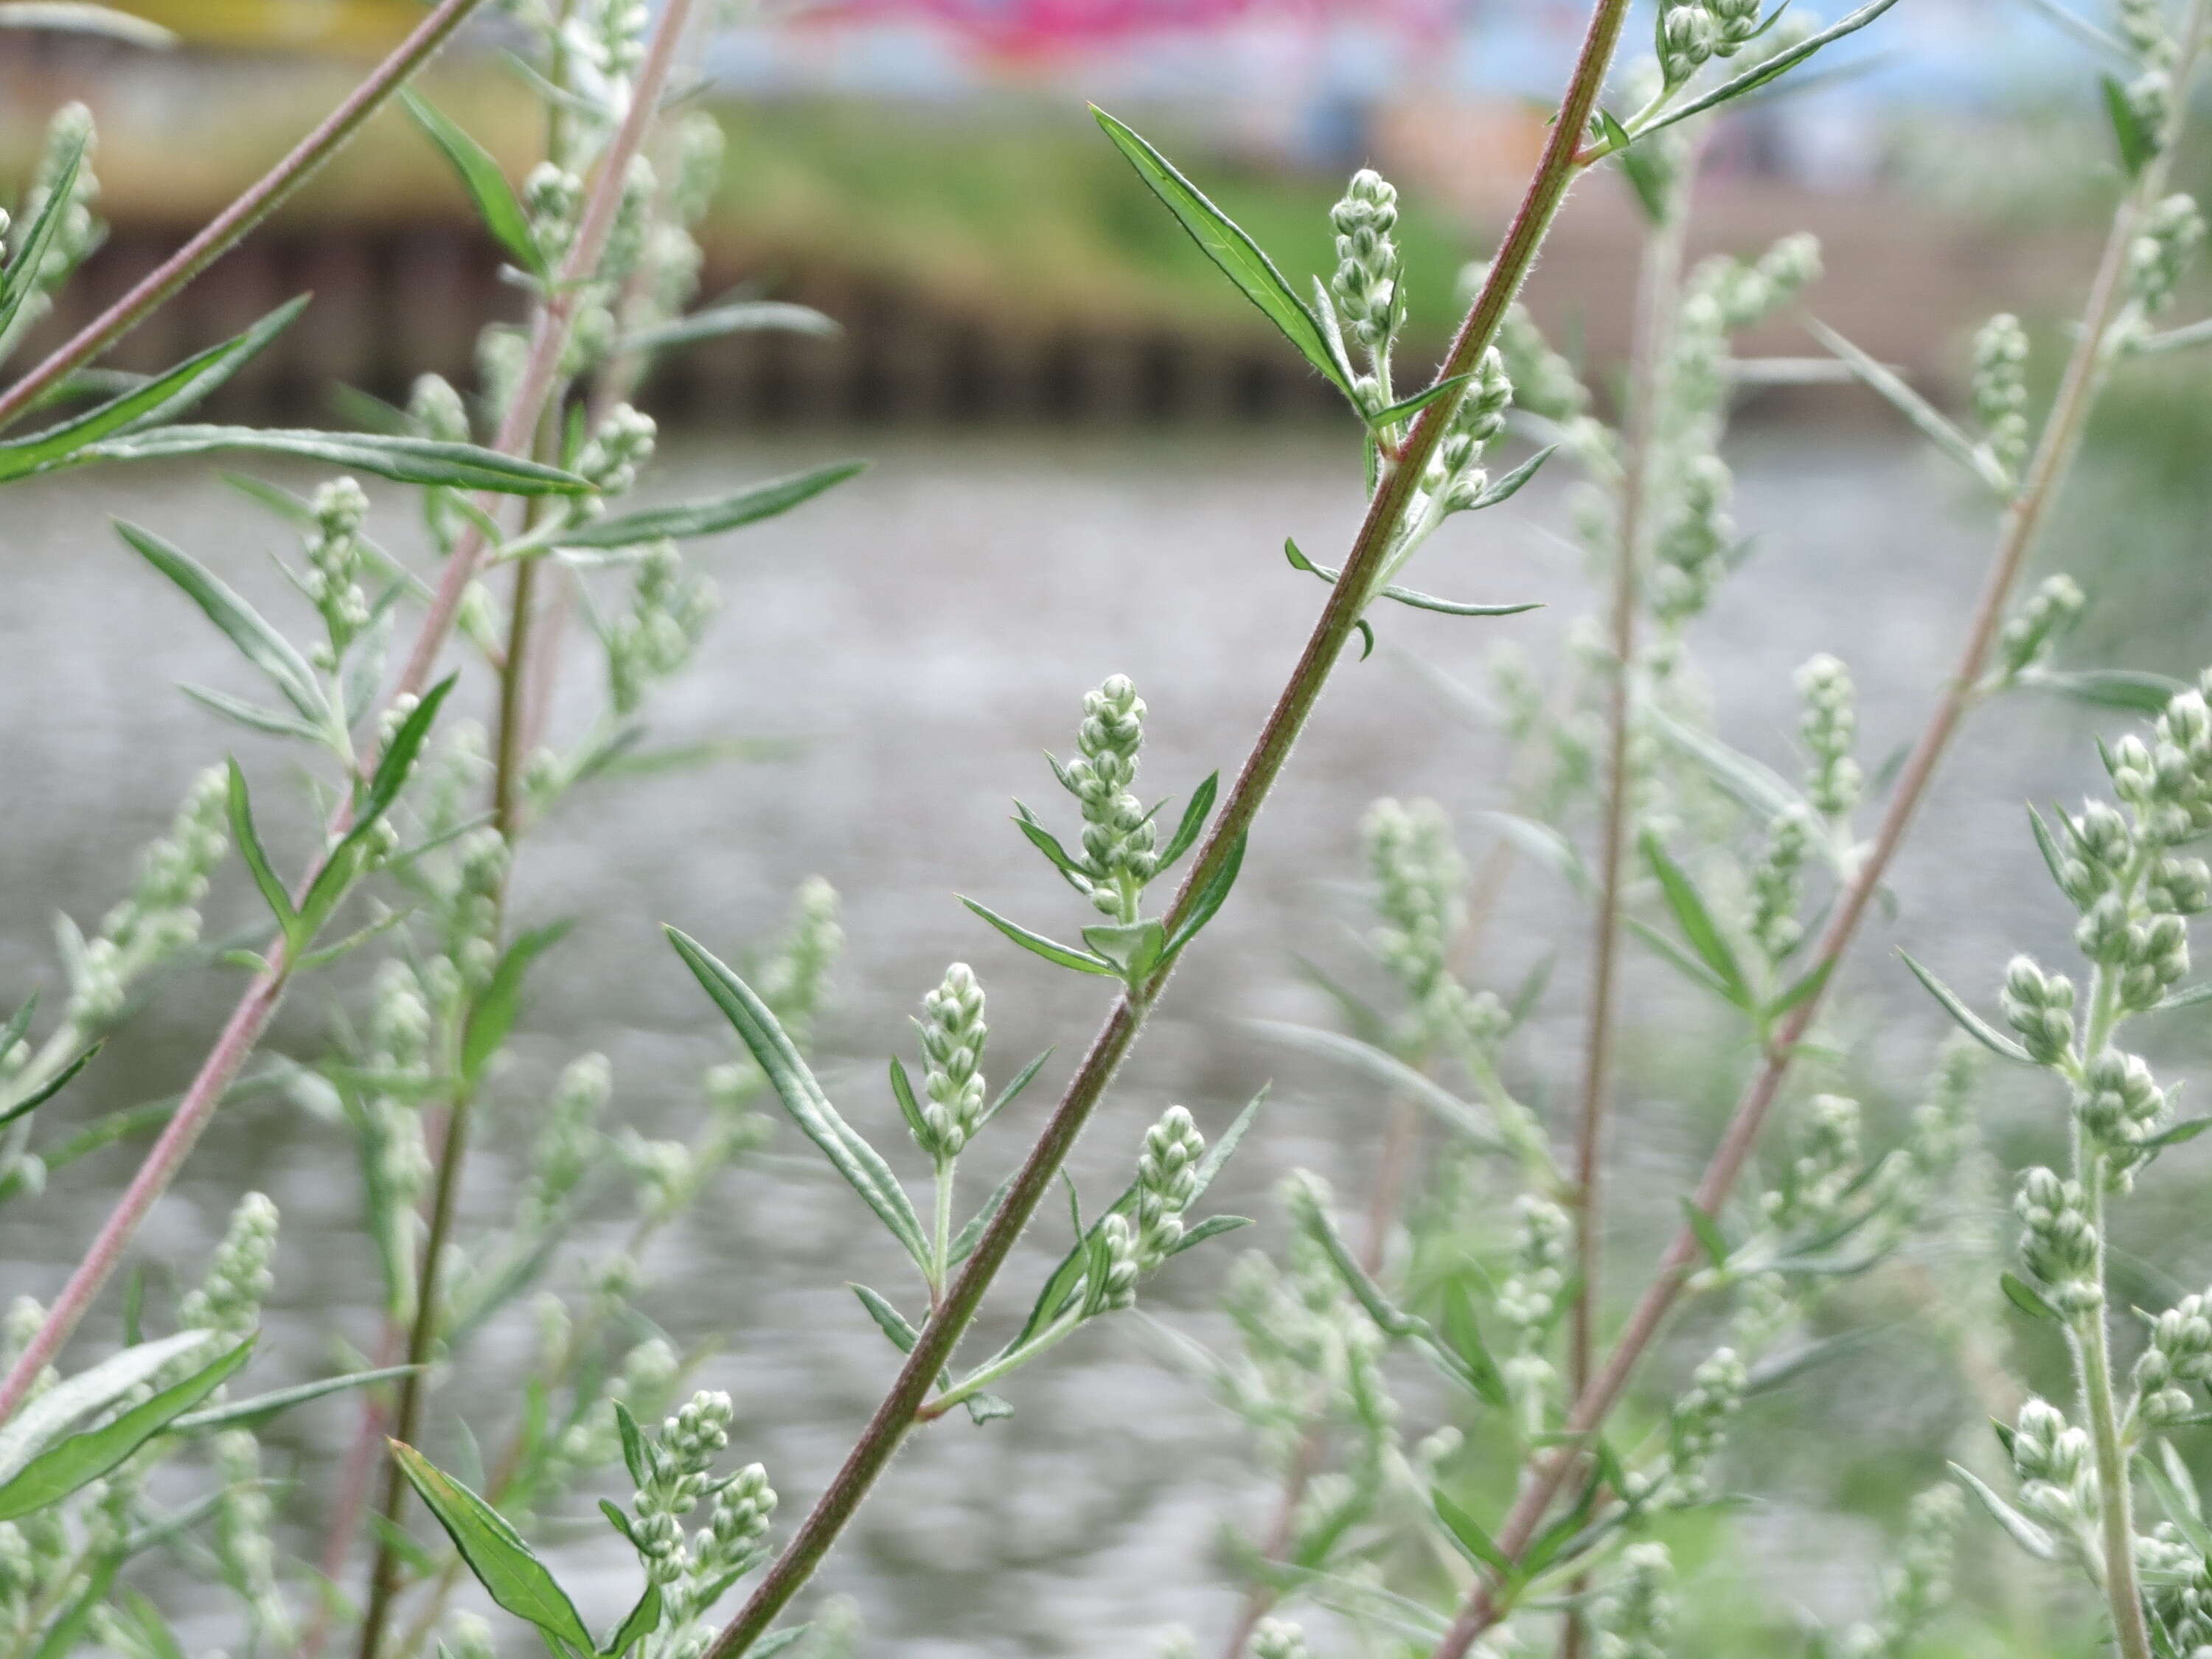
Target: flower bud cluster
(627, 236)
(952, 1035)
(2177, 1587)
(675, 1477)
(1279, 1638)
(1528, 1300)
(162, 915)
(2142, 25)
(242, 1540)
(644, 1382)
(2179, 1353)
(331, 580)
(1689, 554)
(2000, 389)
(1695, 1429)
(553, 202)
(1115, 1285)
(568, 1138)
(2119, 1106)
(1830, 731)
(1688, 36)
(2167, 782)
(1365, 284)
(732, 1542)
(2162, 250)
(2058, 1241)
(1167, 1183)
(1920, 1588)
(227, 1300)
(1420, 883)
(1119, 836)
(1778, 883)
(618, 451)
(472, 920)
(2029, 633)
(669, 612)
(2039, 1006)
(1824, 1164)
(2053, 1464)
(1454, 479)
(1636, 1615)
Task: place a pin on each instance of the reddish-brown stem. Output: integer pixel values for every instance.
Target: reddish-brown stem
(2023, 519)
(227, 227)
(894, 1416)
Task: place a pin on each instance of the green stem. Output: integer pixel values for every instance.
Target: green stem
(888, 1428)
(941, 1255)
(2115, 1505)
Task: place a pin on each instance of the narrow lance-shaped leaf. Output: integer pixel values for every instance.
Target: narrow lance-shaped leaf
(1194, 814)
(1695, 918)
(1210, 899)
(742, 317)
(1392, 1073)
(47, 1090)
(746, 505)
(261, 644)
(1506, 488)
(504, 1563)
(239, 806)
(1969, 1022)
(1933, 425)
(163, 397)
(20, 279)
(403, 460)
(1779, 65)
(1410, 595)
(335, 877)
(862, 1167)
(261, 1407)
(487, 186)
(1225, 243)
(61, 1469)
(40, 1419)
(1060, 954)
(491, 1017)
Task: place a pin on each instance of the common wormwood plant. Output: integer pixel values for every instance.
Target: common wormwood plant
(1481, 1253)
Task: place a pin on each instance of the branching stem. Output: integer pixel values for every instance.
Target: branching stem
(1386, 514)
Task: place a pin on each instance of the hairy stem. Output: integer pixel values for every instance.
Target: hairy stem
(2115, 1505)
(242, 1032)
(231, 226)
(1386, 514)
(2023, 520)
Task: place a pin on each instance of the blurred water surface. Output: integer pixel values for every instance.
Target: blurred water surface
(907, 646)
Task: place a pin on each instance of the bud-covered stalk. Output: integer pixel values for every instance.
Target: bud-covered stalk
(1365, 282)
(1119, 836)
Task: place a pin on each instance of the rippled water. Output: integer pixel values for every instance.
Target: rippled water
(914, 639)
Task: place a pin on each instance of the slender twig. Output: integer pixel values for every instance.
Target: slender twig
(2023, 517)
(1657, 292)
(242, 1032)
(887, 1428)
(227, 227)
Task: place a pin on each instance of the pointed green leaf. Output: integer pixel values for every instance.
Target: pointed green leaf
(746, 505)
(643, 1619)
(39, 1420)
(1409, 596)
(1506, 488)
(1045, 841)
(1696, 921)
(1216, 1156)
(261, 645)
(2187, 1130)
(1038, 944)
(2026, 1297)
(909, 1107)
(64, 1468)
(509, 1571)
(1406, 408)
(2132, 690)
(1225, 243)
(1969, 1022)
(1392, 1073)
(1210, 899)
(1133, 947)
(2135, 146)
(1213, 1227)
(487, 186)
(1707, 1231)
(161, 398)
(249, 1413)
(1466, 1534)
(1021, 1080)
(403, 460)
(2025, 1533)
(272, 721)
(19, 281)
(47, 1090)
(1194, 814)
(343, 864)
(863, 1168)
(889, 1320)
(964, 1243)
(1806, 986)
(1934, 426)
(742, 317)
(239, 807)
(1779, 65)
(492, 1015)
